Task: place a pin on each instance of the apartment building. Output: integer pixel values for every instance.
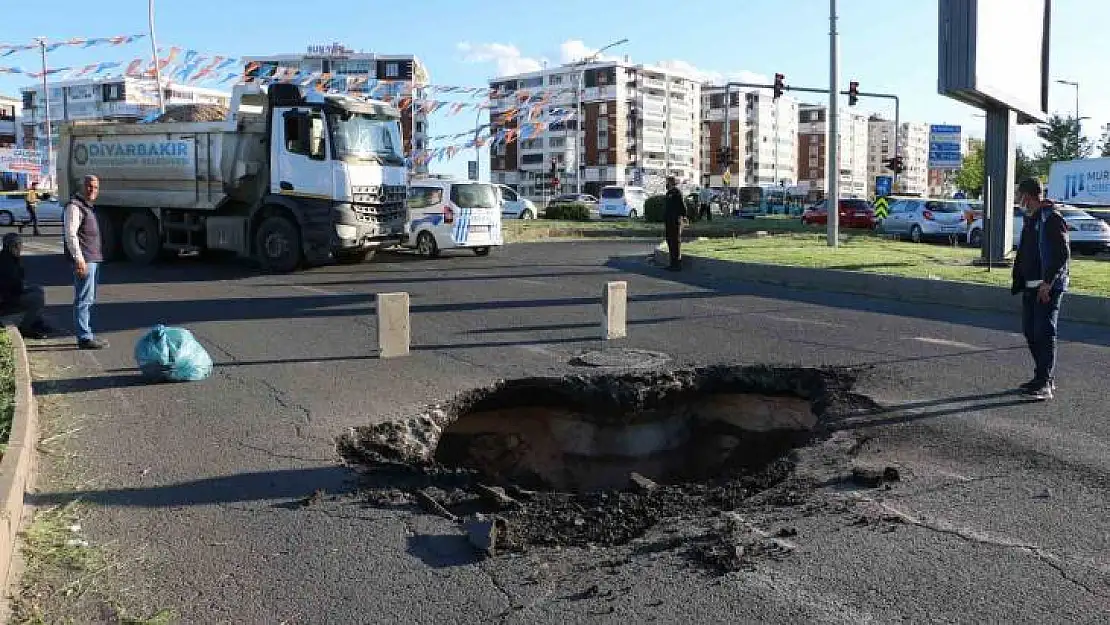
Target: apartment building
(812, 126)
(637, 125)
(10, 131)
(913, 144)
(109, 98)
(348, 68)
(762, 137)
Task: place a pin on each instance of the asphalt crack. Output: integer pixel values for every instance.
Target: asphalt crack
(1040, 553)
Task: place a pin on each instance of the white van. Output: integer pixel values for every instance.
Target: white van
(618, 201)
(452, 214)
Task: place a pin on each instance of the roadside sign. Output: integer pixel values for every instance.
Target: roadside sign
(944, 147)
(959, 195)
(472, 170)
(881, 209)
(883, 185)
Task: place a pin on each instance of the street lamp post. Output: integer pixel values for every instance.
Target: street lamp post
(1078, 119)
(46, 114)
(154, 51)
(578, 79)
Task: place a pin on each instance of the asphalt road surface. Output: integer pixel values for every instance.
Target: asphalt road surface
(1001, 514)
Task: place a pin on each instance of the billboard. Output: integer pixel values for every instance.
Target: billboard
(944, 147)
(979, 63)
(20, 161)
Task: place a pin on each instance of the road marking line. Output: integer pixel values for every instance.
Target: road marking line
(946, 343)
(809, 321)
(312, 289)
(527, 281)
(536, 349)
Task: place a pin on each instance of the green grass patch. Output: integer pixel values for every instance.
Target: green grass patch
(7, 390)
(521, 231)
(872, 254)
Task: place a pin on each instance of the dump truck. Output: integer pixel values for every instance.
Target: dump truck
(291, 177)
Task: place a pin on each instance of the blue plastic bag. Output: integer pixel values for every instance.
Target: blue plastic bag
(172, 355)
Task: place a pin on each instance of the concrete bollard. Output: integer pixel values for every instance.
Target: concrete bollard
(614, 311)
(393, 324)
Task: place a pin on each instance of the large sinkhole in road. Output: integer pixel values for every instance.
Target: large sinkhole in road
(592, 433)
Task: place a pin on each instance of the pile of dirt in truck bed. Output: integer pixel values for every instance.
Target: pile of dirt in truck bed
(193, 113)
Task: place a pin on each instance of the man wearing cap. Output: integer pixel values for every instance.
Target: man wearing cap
(18, 296)
(82, 248)
(1041, 277)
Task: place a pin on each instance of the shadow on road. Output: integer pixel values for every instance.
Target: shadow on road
(81, 385)
(907, 412)
(266, 485)
(442, 550)
(1069, 331)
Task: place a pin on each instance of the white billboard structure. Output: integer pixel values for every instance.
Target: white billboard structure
(980, 64)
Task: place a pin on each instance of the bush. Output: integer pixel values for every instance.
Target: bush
(653, 209)
(568, 212)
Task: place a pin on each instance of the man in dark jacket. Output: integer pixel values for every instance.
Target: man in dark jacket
(674, 211)
(1041, 277)
(18, 296)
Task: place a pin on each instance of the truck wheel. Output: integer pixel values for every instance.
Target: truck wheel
(109, 235)
(142, 243)
(354, 257)
(278, 245)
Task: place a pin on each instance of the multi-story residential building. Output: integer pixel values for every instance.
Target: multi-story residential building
(812, 126)
(111, 98)
(402, 75)
(637, 125)
(913, 144)
(762, 137)
(10, 131)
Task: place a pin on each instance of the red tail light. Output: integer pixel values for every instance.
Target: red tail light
(928, 215)
(448, 215)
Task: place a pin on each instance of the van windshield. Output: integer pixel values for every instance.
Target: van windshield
(612, 193)
(473, 195)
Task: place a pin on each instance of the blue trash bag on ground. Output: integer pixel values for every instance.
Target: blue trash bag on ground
(172, 355)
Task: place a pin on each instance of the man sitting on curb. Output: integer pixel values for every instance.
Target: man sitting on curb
(18, 296)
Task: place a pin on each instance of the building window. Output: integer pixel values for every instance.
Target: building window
(556, 142)
(813, 173)
(813, 162)
(603, 141)
(113, 92)
(603, 158)
(419, 127)
(531, 159)
(392, 70)
(813, 150)
(555, 79)
(603, 109)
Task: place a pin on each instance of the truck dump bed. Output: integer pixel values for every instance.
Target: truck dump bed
(185, 165)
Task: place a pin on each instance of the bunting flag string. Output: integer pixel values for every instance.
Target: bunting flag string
(7, 49)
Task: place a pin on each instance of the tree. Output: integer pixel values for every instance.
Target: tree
(1061, 141)
(1026, 167)
(1104, 143)
(970, 176)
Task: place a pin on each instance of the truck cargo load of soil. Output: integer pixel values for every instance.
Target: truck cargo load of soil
(601, 459)
(193, 113)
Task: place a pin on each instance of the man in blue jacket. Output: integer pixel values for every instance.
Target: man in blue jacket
(1041, 276)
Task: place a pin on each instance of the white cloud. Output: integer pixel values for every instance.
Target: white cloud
(508, 58)
(573, 50)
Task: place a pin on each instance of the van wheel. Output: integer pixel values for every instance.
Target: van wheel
(426, 245)
(633, 214)
(142, 243)
(481, 251)
(527, 214)
(354, 257)
(278, 245)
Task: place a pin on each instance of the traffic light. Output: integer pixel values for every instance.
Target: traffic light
(896, 164)
(853, 93)
(780, 85)
(724, 156)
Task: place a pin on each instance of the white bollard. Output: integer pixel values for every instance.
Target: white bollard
(393, 324)
(614, 311)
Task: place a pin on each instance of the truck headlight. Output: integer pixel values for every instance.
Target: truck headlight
(346, 232)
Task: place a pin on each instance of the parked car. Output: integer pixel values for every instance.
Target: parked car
(13, 209)
(515, 206)
(618, 201)
(576, 198)
(1086, 232)
(452, 214)
(854, 213)
(925, 218)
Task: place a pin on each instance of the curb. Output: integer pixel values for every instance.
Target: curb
(18, 463)
(1078, 308)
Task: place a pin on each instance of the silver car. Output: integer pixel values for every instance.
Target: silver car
(925, 218)
(13, 210)
(513, 205)
(1086, 232)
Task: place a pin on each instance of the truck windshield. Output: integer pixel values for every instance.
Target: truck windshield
(363, 137)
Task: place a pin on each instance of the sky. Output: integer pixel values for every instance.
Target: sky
(888, 46)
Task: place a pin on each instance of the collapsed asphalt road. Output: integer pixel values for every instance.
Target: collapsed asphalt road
(229, 500)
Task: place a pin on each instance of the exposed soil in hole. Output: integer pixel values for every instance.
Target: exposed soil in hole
(556, 457)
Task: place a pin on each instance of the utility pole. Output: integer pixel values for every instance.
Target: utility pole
(46, 113)
(832, 165)
(154, 51)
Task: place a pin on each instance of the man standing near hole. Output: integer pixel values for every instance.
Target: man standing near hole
(83, 249)
(1041, 276)
(674, 213)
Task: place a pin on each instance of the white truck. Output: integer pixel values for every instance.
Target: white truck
(289, 178)
(1083, 182)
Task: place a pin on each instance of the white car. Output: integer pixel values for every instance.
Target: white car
(1086, 232)
(452, 214)
(13, 210)
(513, 206)
(618, 201)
